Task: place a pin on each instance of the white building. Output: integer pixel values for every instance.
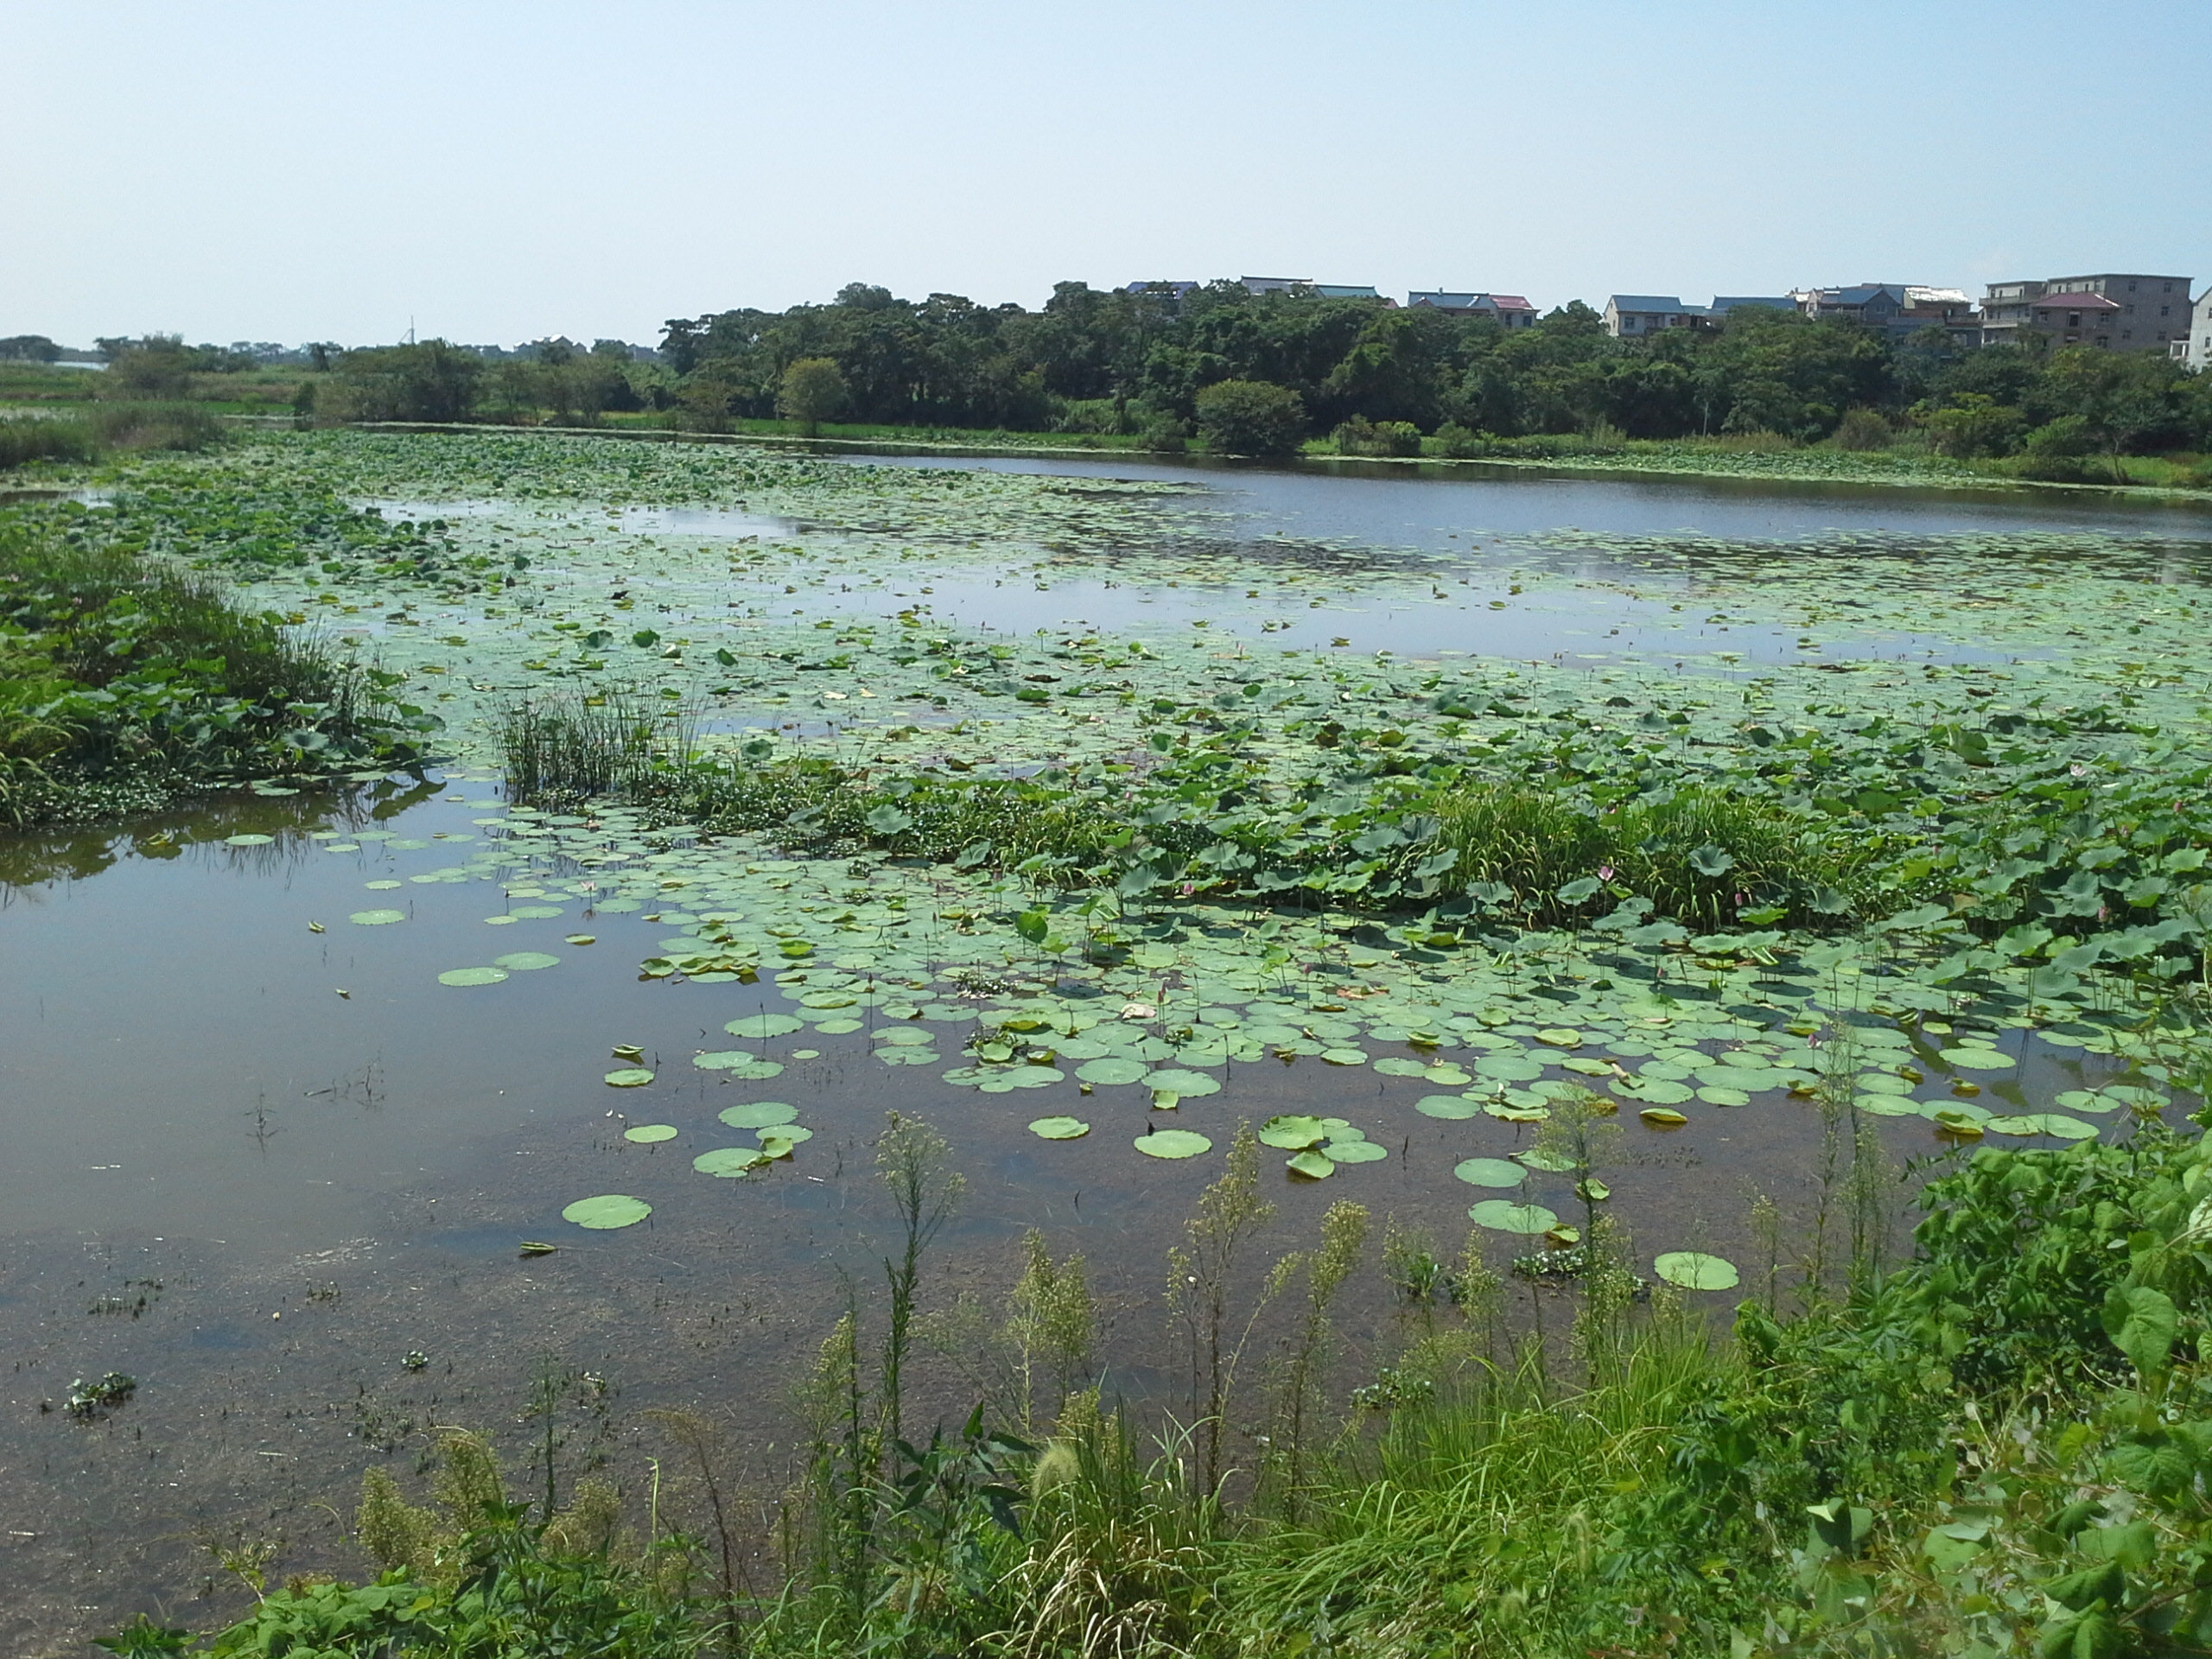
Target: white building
(2196, 350)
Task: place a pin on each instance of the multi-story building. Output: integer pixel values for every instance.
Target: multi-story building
(2113, 312)
(1506, 310)
(2196, 350)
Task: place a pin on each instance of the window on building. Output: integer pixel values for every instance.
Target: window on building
(2073, 319)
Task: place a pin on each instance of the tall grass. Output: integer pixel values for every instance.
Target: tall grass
(56, 438)
(1691, 854)
(91, 430)
(564, 751)
(1477, 1521)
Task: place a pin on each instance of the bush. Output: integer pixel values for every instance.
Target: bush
(1103, 416)
(1361, 437)
(1458, 442)
(1250, 417)
(1862, 430)
(1167, 434)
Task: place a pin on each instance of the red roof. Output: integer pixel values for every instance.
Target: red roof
(2078, 301)
(1511, 303)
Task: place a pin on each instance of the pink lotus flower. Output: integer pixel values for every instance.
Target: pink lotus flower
(1605, 871)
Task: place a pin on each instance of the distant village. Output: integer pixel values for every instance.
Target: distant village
(2114, 311)
(2111, 311)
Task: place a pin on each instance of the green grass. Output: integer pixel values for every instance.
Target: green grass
(114, 665)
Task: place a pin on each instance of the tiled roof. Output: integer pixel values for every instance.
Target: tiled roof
(1648, 303)
(2076, 302)
(1511, 303)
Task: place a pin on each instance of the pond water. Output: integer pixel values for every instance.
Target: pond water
(259, 1151)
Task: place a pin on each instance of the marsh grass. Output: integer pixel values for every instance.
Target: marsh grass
(91, 430)
(564, 751)
(1690, 855)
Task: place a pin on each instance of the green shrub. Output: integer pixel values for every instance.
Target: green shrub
(1250, 417)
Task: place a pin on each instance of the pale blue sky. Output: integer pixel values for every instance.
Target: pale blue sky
(501, 171)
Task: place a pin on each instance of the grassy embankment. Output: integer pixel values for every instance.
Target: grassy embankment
(1999, 1447)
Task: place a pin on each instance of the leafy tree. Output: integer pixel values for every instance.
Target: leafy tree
(1972, 423)
(811, 391)
(30, 348)
(1250, 417)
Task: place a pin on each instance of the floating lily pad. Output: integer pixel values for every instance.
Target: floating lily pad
(646, 1134)
(1182, 1084)
(629, 1077)
(472, 975)
(1662, 1118)
(376, 917)
(1887, 1105)
(1502, 1215)
(2055, 1124)
(608, 1211)
(1114, 1070)
(1559, 1037)
(726, 1161)
(1450, 1108)
(1979, 1059)
(536, 913)
(1695, 1271)
(1510, 1112)
(1173, 1143)
(1396, 1066)
(1341, 1151)
(761, 1026)
(247, 841)
(525, 962)
(757, 1115)
(1490, 1172)
(1313, 1165)
(791, 1134)
(1059, 1128)
(1344, 1056)
(1292, 1133)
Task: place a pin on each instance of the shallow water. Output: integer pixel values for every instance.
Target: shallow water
(254, 1164)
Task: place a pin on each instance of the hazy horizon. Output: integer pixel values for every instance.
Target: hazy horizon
(501, 174)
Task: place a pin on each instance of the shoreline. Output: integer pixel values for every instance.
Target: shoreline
(1631, 465)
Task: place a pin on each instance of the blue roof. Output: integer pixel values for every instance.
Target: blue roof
(1446, 301)
(1339, 292)
(1862, 293)
(1724, 303)
(1649, 302)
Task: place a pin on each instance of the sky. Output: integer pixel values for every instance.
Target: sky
(495, 172)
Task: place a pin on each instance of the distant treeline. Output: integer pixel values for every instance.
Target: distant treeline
(1260, 372)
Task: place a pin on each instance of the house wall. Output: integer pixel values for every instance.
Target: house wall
(2154, 311)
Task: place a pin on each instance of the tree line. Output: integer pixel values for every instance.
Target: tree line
(1260, 373)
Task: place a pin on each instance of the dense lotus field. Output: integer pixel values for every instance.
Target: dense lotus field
(1977, 763)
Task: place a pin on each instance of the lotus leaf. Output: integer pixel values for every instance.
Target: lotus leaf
(606, 1211)
(1695, 1271)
